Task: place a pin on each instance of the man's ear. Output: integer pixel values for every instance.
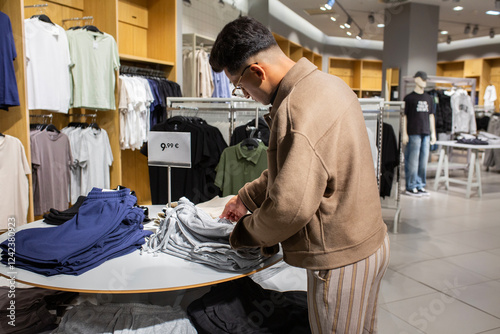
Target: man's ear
(259, 70)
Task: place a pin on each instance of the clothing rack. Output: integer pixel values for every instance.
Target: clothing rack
(37, 6)
(456, 82)
(45, 117)
(193, 42)
(133, 70)
(84, 18)
(393, 115)
(372, 110)
(93, 116)
(216, 106)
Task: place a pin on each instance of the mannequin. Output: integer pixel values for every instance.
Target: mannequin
(419, 132)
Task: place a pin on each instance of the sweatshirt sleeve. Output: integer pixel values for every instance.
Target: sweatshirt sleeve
(253, 193)
(293, 199)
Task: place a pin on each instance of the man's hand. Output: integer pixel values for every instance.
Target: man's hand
(234, 209)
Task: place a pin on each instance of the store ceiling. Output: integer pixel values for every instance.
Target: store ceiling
(473, 13)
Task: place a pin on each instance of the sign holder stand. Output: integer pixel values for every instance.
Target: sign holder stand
(169, 149)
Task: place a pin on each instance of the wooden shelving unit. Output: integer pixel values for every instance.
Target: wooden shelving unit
(486, 71)
(145, 31)
(296, 51)
(363, 76)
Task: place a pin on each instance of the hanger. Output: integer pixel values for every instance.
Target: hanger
(52, 128)
(92, 28)
(251, 143)
(43, 17)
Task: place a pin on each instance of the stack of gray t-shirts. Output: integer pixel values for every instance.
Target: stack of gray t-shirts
(125, 318)
(192, 234)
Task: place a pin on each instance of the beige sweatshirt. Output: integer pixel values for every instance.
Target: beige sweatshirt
(318, 197)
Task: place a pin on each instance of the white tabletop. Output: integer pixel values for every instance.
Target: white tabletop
(453, 143)
(132, 273)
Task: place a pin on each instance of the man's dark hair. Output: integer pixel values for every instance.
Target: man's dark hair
(238, 41)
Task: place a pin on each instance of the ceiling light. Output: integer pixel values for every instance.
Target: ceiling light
(380, 25)
(322, 8)
(475, 30)
(333, 18)
(467, 29)
(444, 32)
(342, 26)
(492, 33)
(349, 22)
(329, 4)
(349, 33)
(448, 40)
(458, 8)
(360, 35)
(371, 18)
(493, 12)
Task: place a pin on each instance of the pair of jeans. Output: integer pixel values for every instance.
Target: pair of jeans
(416, 155)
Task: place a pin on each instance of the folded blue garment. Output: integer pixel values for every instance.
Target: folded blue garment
(106, 226)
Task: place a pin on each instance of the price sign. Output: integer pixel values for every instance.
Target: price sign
(169, 149)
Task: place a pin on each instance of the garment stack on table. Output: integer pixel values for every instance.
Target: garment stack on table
(191, 233)
(107, 225)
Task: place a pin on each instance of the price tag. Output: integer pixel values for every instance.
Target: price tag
(169, 149)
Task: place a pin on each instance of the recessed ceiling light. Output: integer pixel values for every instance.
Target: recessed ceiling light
(349, 33)
(444, 32)
(342, 26)
(333, 18)
(458, 8)
(380, 25)
(493, 12)
(322, 8)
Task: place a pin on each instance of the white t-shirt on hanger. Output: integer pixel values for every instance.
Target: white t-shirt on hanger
(490, 96)
(14, 198)
(47, 66)
(95, 159)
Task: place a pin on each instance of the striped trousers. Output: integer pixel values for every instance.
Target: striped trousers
(344, 300)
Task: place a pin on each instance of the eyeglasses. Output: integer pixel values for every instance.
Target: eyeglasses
(237, 86)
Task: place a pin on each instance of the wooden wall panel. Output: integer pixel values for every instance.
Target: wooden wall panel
(15, 122)
(132, 40)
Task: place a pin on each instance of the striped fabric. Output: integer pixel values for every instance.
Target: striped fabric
(344, 300)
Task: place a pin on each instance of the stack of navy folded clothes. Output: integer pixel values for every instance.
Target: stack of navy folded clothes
(107, 225)
(56, 217)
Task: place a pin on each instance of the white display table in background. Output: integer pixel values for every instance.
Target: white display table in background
(474, 166)
(132, 273)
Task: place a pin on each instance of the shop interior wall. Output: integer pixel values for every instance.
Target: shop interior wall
(483, 51)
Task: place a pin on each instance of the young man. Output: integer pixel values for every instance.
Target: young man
(319, 197)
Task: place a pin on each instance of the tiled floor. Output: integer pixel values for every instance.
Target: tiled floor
(444, 274)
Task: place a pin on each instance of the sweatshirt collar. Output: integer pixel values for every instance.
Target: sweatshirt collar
(300, 70)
